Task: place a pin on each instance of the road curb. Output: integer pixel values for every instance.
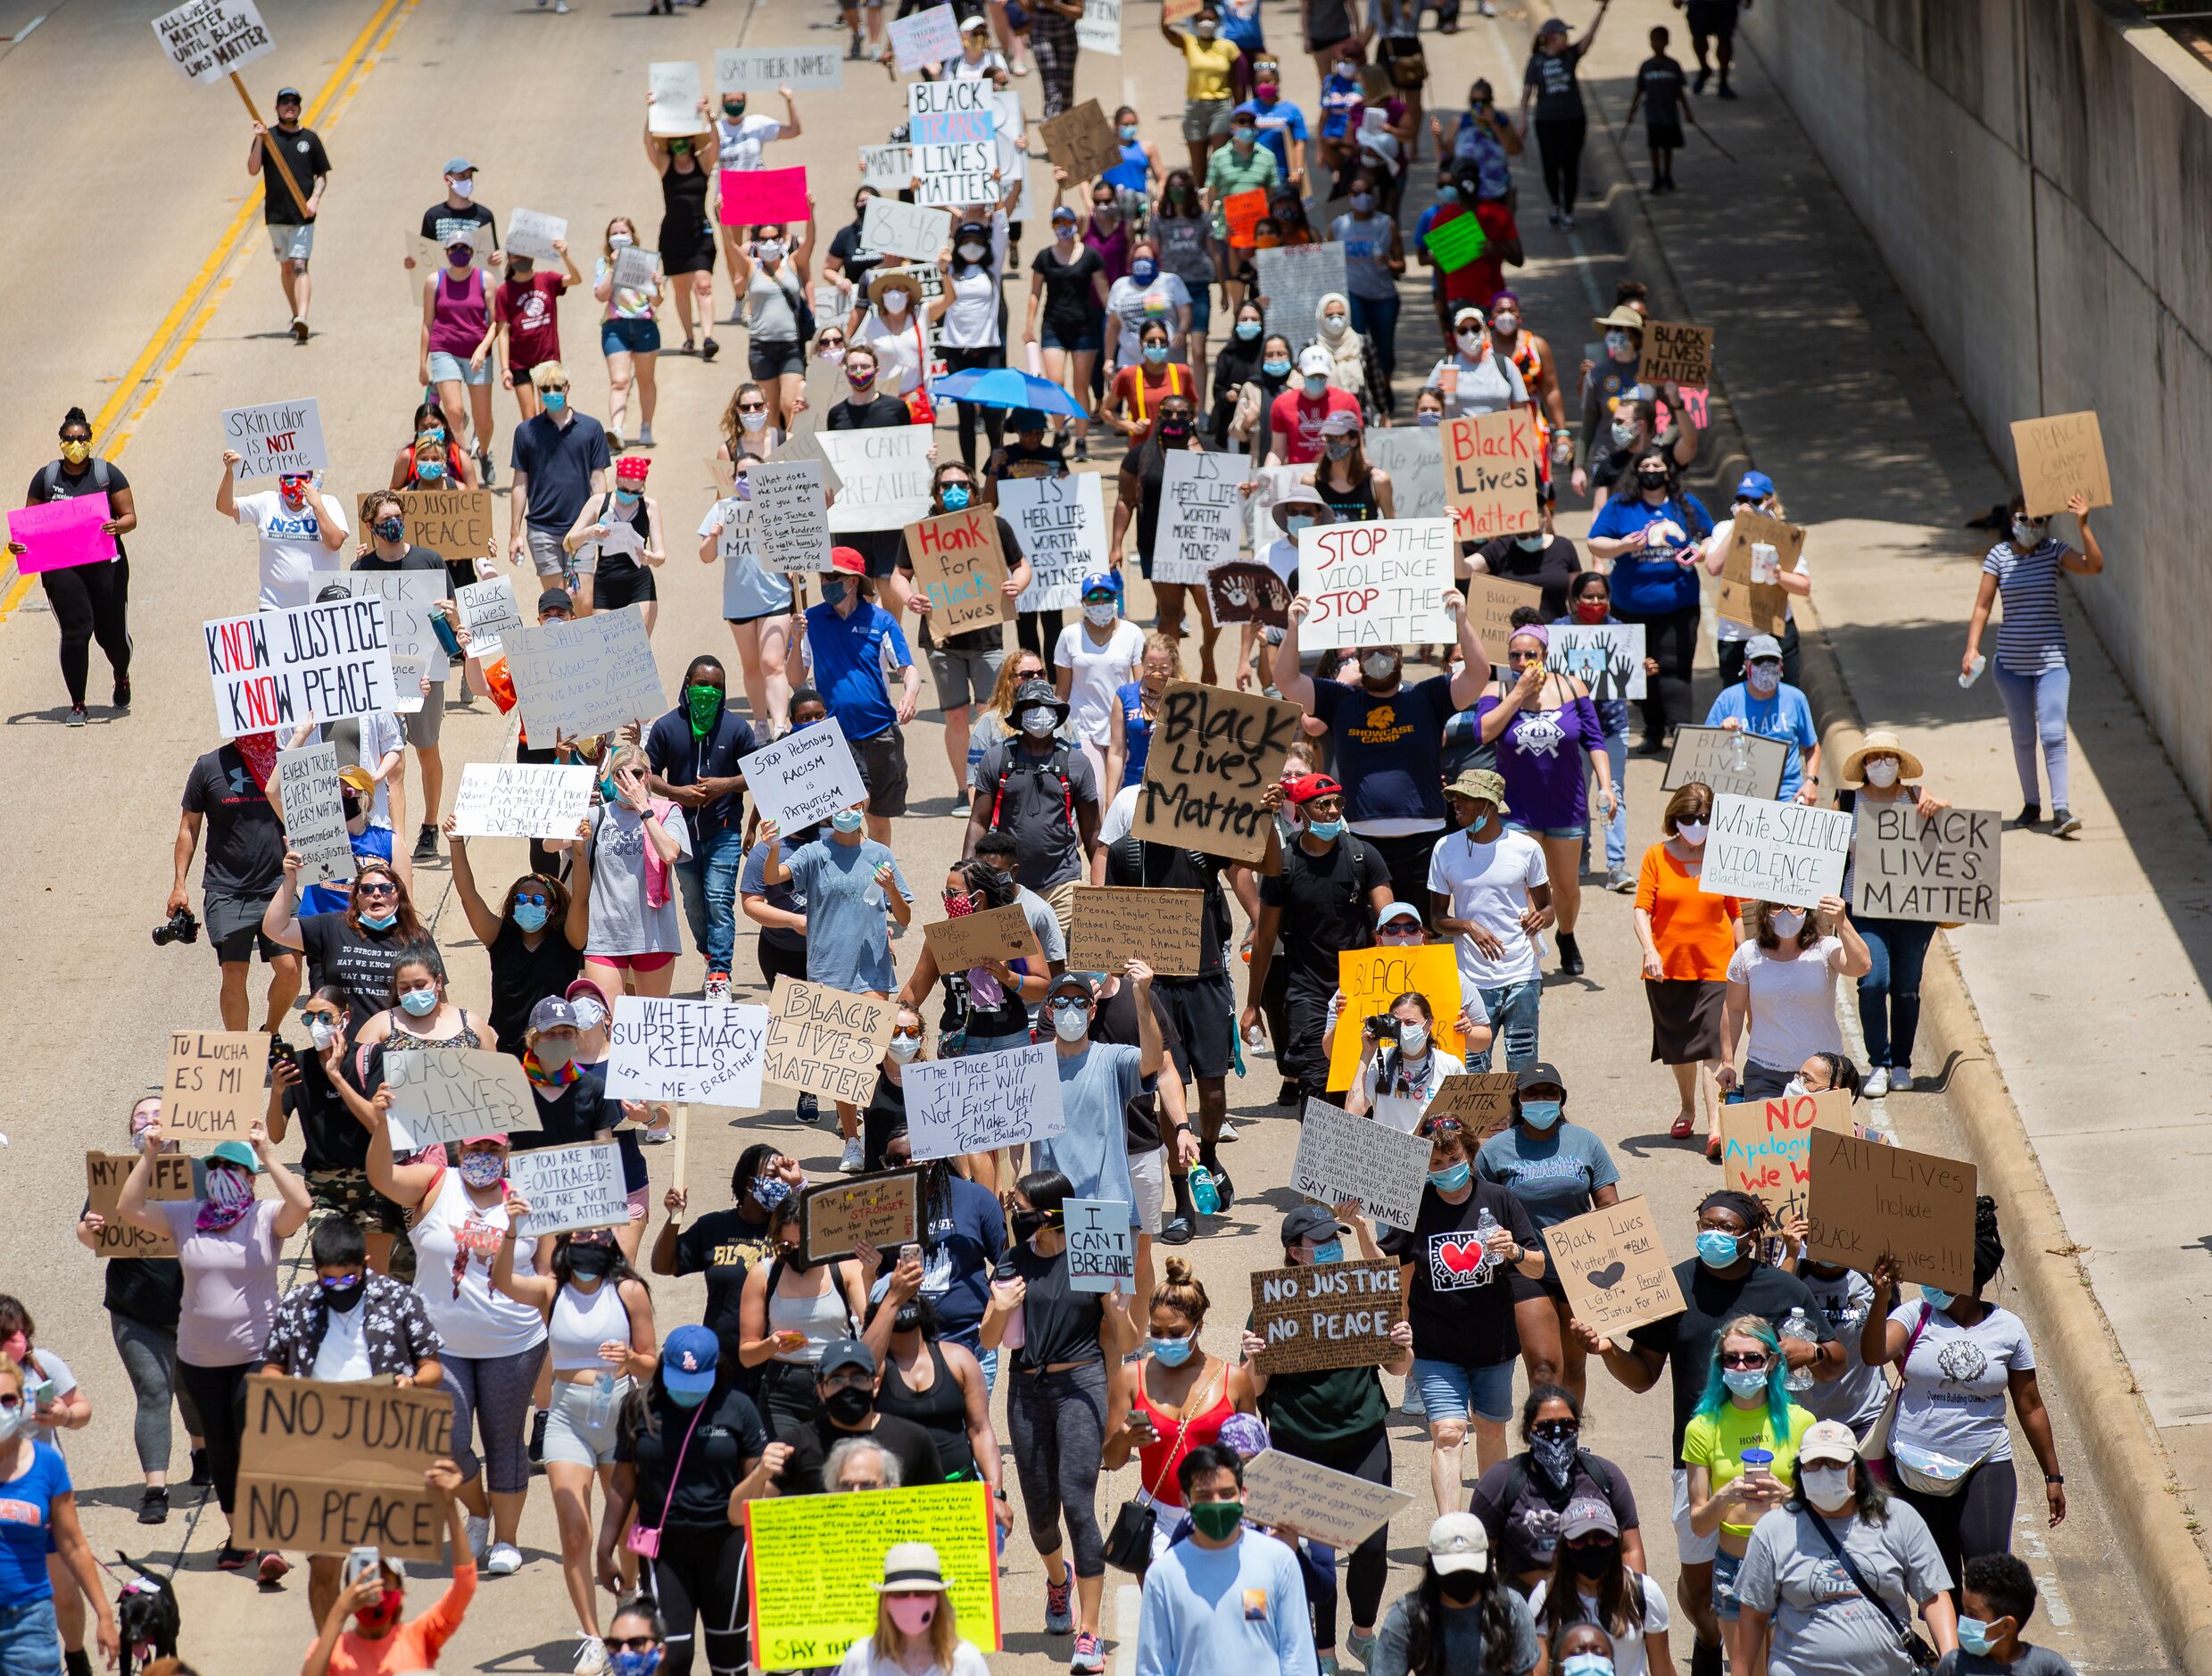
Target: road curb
(2074, 1340)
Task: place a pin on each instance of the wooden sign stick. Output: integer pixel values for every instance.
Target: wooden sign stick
(683, 1144)
(273, 154)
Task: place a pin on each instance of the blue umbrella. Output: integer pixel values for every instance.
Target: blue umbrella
(1007, 386)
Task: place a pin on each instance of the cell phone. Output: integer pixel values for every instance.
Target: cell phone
(279, 1048)
(360, 1563)
(909, 1251)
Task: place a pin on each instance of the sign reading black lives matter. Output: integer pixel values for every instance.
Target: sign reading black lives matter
(441, 1092)
(1727, 759)
(687, 1050)
(1943, 869)
(1213, 755)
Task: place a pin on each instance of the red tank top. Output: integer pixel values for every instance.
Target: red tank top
(1159, 1460)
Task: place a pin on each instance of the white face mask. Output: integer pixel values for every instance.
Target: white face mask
(753, 421)
(1691, 832)
(1827, 1488)
(904, 1048)
(1762, 678)
(462, 188)
(2025, 536)
(1412, 1040)
(1334, 323)
(1882, 772)
(1785, 922)
(972, 253)
(322, 1033)
(1100, 614)
(620, 241)
(1378, 666)
(1506, 325)
(1037, 722)
(1070, 1023)
(1470, 341)
(894, 303)
(1624, 433)
(1795, 1087)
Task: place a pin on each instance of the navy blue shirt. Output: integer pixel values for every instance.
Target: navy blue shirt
(1390, 750)
(681, 760)
(559, 461)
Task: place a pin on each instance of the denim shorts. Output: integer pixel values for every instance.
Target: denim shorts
(1091, 340)
(629, 337)
(1448, 1391)
(1201, 305)
(446, 369)
(1579, 830)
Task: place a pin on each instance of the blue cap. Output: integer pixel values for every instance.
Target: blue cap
(687, 1360)
(237, 1152)
(1099, 581)
(1756, 485)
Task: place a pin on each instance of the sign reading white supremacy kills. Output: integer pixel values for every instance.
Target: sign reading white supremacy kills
(1060, 525)
(1199, 504)
(706, 1051)
(275, 669)
(521, 799)
(1378, 583)
(208, 40)
(276, 439)
(991, 1100)
(314, 813)
(1775, 852)
(588, 677)
(804, 777)
(1341, 1157)
(572, 1187)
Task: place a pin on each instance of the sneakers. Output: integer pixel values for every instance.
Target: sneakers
(299, 329)
(1178, 1232)
(852, 51)
(645, 431)
(708, 348)
(1900, 1080)
(1567, 220)
(504, 1560)
(850, 1161)
(478, 1533)
(1288, 1094)
(717, 986)
(1082, 451)
(1554, 215)
(591, 1655)
(1328, 1665)
(614, 439)
(2064, 823)
(232, 1558)
(1059, 1615)
(76, 716)
(809, 1109)
(272, 1568)
(1228, 1134)
(154, 1505)
(1876, 1084)
(1622, 881)
(121, 699)
(1698, 81)
(203, 1474)
(426, 844)
(1224, 1189)
(1089, 1653)
(2030, 815)
(484, 468)
(1361, 1647)
(657, 1135)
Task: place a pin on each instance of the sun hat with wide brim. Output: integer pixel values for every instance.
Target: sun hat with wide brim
(1881, 743)
(911, 1568)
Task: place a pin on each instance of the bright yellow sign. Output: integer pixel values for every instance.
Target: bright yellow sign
(1373, 978)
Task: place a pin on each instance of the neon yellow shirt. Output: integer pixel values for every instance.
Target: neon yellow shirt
(1717, 1445)
(1208, 62)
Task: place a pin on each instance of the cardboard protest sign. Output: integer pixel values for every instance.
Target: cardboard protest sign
(1081, 141)
(410, 600)
(791, 515)
(1101, 1245)
(216, 1086)
(755, 197)
(885, 1210)
(327, 1467)
(802, 68)
(707, 1051)
(1113, 925)
(816, 1561)
(960, 570)
(1775, 852)
(61, 534)
(925, 38)
(1342, 1158)
(1060, 525)
(442, 1092)
(1294, 278)
(1199, 507)
(2058, 457)
(886, 474)
(276, 439)
(314, 813)
(522, 800)
(995, 934)
(826, 1041)
(1242, 592)
(886, 167)
(452, 523)
(1413, 456)
(1944, 869)
(1866, 1198)
(570, 1187)
(1481, 1101)
(1677, 353)
(1491, 602)
(1287, 1494)
(1607, 658)
(1378, 584)
(488, 611)
(1327, 1314)
(105, 1175)
(635, 269)
(1214, 754)
(1490, 462)
(1614, 1268)
(1766, 1145)
(1243, 212)
(530, 233)
(1457, 242)
(1099, 29)
(1727, 759)
(587, 677)
(1760, 549)
(983, 1101)
(1373, 978)
(209, 39)
(804, 777)
(677, 97)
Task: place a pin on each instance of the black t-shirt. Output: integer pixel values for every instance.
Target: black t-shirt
(1324, 901)
(1461, 1307)
(359, 961)
(245, 834)
(1115, 1021)
(726, 1437)
(148, 1291)
(1059, 1323)
(442, 220)
(577, 1114)
(1071, 303)
(847, 248)
(884, 412)
(722, 1244)
(1708, 1302)
(918, 1461)
(334, 1137)
(1551, 566)
(1138, 864)
(302, 149)
(523, 977)
(559, 461)
(413, 559)
(95, 476)
(1660, 80)
(1015, 461)
(886, 1111)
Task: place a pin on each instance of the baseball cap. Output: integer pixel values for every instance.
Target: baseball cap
(848, 561)
(1552, 26)
(555, 600)
(237, 1152)
(688, 1356)
(1755, 486)
(1587, 1514)
(1313, 359)
(971, 24)
(1098, 581)
(453, 165)
(1828, 1440)
(1457, 1543)
(1344, 423)
(1073, 981)
(1397, 911)
(1307, 787)
(551, 1013)
(1761, 646)
(293, 94)
(843, 1353)
(1541, 1074)
(1309, 1221)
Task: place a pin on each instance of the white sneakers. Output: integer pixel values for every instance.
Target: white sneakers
(1876, 1084)
(850, 1162)
(504, 1560)
(479, 1532)
(645, 434)
(1900, 1080)
(591, 1655)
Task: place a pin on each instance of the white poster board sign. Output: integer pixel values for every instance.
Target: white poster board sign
(802, 68)
(1413, 456)
(207, 40)
(411, 599)
(314, 813)
(273, 670)
(913, 230)
(441, 1091)
(676, 92)
(1059, 523)
(925, 38)
(1327, 1507)
(1199, 506)
(572, 1187)
(708, 1051)
(791, 515)
(488, 611)
(887, 169)
(522, 800)
(804, 777)
(1341, 1157)
(531, 233)
(1099, 29)
(1607, 658)
(635, 269)
(991, 1100)
(886, 474)
(1293, 278)
(1377, 585)
(1101, 1245)
(1775, 852)
(588, 677)
(275, 438)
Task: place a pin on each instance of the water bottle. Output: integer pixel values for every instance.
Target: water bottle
(1973, 672)
(602, 1406)
(1485, 1224)
(1202, 1194)
(1739, 751)
(1254, 1033)
(1799, 1328)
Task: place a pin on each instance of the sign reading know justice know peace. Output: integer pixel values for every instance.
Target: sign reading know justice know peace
(1213, 755)
(983, 1101)
(327, 1467)
(441, 1092)
(1775, 852)
(1613, 1267)
(521, 799)
(707, 1051)
(273, 670)
(1326, 1314)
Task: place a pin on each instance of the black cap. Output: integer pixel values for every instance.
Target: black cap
(1309, 1220)
(555, 600)
(1040, 693)
(1541, 1074)
(292, 93)
(843, 1353)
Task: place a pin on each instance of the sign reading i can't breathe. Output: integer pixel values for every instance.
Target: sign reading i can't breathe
(1101, 1245)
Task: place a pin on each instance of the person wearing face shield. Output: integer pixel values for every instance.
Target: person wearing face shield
(1766, 706)
(302, 531)
(1881, 776)
(1755, 493)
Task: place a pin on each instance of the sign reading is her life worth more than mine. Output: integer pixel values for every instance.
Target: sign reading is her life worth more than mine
(571, 1187)
(1342, 1158)
(314, 813)
(1677, 353)
(1866, 1198)
(105, 1175)
(275, 438)
(208, 40)
(707, 1051)
(1377, 584)
(328, 1466)
(1943, 868)
(1060, 525)
(883, 1209)
(804, 777)
(996, 933)
(2061, 457)
(272, 670)
(960, 568)
(1373, 978)
(442, 1092)
(826, 1041)
(1775, 852)
(1213, 755)
(1728, 760)
(1101, 1245)
(1326, 1314)
(1614, 1268)
(1490, 463)
(1113, 925)
(521, 799)
(1319, 1503)
(216, 1086)
(982, 1101)
(1199, 504)
(1766, 1146)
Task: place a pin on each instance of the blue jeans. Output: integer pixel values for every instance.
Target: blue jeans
(30, 1640)
(709, 883)
(1617, 829)
(2036, 710)
(1378, 318)
(1512, 1008)
(1889, 995)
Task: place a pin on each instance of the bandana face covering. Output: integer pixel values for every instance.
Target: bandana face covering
(703, 705)
(229, 1196)
(542, 1076)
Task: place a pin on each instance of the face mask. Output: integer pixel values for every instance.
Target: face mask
(375, 1620)
(1471, 342)
(1624, 433)
(323, 1033)
(1594, 610)
(703, 707)
(1619, 345)
(1170, 1352)
(12, 1421)
(529, 917)
(1128, 132)
(1363, 202)
(734, 108)
(1217, 1521)
(77, 453)
(1070, 1023)
(1380, 666)
(894, 303)
(1331, 1252)
(1691, 832)
(1785, 922)
(590, 1014)
(1829, 1488)
(1717, 1247)
(1064, 229)
(847, 820)
(1452, 1180)
(463, 188)
(833, 590)
(391, 528)
(634, 1660)
(859, 377)
(554, 400)
(1881, 773)
(1429, 418)
(1144, 270)
(1461, 1585)
(1327, 830)
(768, 1191)
(420, 1003)
(461, 256)
(1276, 368)
(1763, 678)
(1206, 31)
(429, 471)
(1269, 90)
(1296, 522)
(753, 421)
(1240, 139)
(1316, 384)
(1154, 353)
(1599, 1559)
(1530, 544)
(1744, 1381)
(1586, 1664)
(1248, 329)
(293, 492)
(620, 241)
(1338, 447)
(1937, 1298)
(1555, 1455)
(1795, 1087)
(1506, 323)
(2025, 535)
(904, 1048)
(1098, 613)
(1106, 211)
(343, 1294)
(1651, 484)
(1412, 1040)
(591, 1262)
(972, 251)
(690, 1399)
(1973, 1636)
(849, 1406)
(956, 497)
(912, 1613)
(552, 1053)
(1026, 1225)
(1038, 722)
(1334, 324)
(380, 922)
(1540, 1113)
(483, 1169)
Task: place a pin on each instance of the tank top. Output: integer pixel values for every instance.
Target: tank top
(822, 1317)
(770, 313)
(1158, 1461)
(1133, 171)
(583, 1321)
(621, 563)
(1356, 505)
(459, 315)
(402, 1040)
(941, 1410)
(455, 1243)
(683, 201)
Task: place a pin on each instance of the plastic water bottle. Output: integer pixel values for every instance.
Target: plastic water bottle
(1799, 1328)
(1974, 671)
(1739, 751)
(1206, 1201)
(602, 1404)
(1485, 1224)
(1254, 1033)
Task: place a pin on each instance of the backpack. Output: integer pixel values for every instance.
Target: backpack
(1055, 764)
(50, 478)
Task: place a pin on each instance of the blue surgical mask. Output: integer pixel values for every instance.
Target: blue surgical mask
(554, 400)
(686, 1399)
(833, 590)
(1332, 1252)
(1128, 132)
(431, 470)
(1585, 1664)
(1937, 1298)
(1743, 1381)
(1530, 544)
(1156, 353)
(1717, 1247)
(629, 497)
(1452, 1180)
(1363, 202)
(1248, 329)
(420, 1003)
(380, 922)
(1170, 1352)
(1325, 830)
(1540, 1113)
(1144, 270)
(845, 820)
(1974, 1637)
(1296, 522)
(1276, 368)
(1317, 385)
(530, 915)
(1429, 418)
(956, 497)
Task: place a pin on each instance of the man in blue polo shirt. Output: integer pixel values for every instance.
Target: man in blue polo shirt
(1763, 703)
(851, 640)
(559, 461)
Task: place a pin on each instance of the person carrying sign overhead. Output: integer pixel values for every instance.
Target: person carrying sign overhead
(292, 199)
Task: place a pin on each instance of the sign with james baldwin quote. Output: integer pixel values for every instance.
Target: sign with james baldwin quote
(276, 439)
(1326, 1314)
(1943, 868)
(827, 1042)
(1766, 1145)
(272, 670)
(982, 1101)
(1213, 755)
(1867, 1198)
(1490, 463)
(707, 1051)
(1342, 1158)
(1775, 852)
(1377, 584)
(1727, 759)
(1614, 1268)
(1101, 1245)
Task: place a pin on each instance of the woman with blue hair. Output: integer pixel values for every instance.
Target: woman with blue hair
(1741, 1446)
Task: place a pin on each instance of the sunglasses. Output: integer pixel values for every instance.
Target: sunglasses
(553, 389)
(831, 340)
(752, 407)
(529, 901)
(375, 887)
(1743, 1359)
(320, 1018)
(1514, 656)
(628, 1643)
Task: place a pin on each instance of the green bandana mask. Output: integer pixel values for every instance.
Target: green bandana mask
(1217, 1521)
(703, 704)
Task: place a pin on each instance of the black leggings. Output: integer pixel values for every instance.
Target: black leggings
(91, 602)
(1976, 1519)
(1056, 1424)
(994, 418)
(1560, 143)
(699, 1576)
(1040, 633)
(1670, 638)
(1367, 1457)
(218, 1393)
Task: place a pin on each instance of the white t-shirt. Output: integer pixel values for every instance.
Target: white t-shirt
(1120, 818)
(1630, 1658)
(739, 147)
(1403, 1112)
(1956, 1382)
(898, 350)
(1727, 627)
(343, 1353)
(292, 547)
(1489, 884)
(861, 1659)
(382, 733)
(1792, 1010)
(1098, 673)
(972, 321)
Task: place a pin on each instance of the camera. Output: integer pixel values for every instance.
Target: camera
(1383, 1027)
(181, 926)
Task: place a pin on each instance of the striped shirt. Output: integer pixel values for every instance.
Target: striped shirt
(2030, 639)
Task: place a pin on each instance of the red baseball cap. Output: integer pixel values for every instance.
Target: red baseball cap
(1307, 787)
(848, 560)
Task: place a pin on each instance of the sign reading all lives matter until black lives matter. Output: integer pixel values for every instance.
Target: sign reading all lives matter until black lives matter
(1101, 1245)
(1213, 755)
(984, 1101)
(1377, 584)
(1326, 1314)
(884, 1209)
(2059, 458)
(1490, 474)
(1867, 1198)
(1727, 760)
(1199, 506)
(216, 1086)
(276, 439)
(589, 676)
(1286, 1494)
(1613, 1267)
(1775, 852)
(802, 68)
(488, 611)
(707, 1051)
(1766, 1146)
(1342, 1158)
(570, 1187)
(207, 40)
(1060, 525)
(886, 475)
(521, 799)
(272, 670)
(959, 567)
(1607, 658)
(791, 524)
(804, 777)
(1944, 868)
(825, 1041)
(105, 1175)
(325, 1466)
(441, 1092)
(314, 813)
(1114, 925)
(1677, 353)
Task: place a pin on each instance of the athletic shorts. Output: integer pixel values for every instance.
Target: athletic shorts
(292, 243)
(1147, 1178)
(424, 725)
(629, 962)
(233, 926)
(1090, 340)
(882, 759)
(550, 559)
(774, 357)
(1204, 119)
(1205, 1011)
(964, 677)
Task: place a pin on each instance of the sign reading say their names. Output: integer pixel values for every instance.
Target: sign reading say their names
(1943, 867)
(826, 1041)
(804, 777)
(1380, 584)
(208, 40)
(276, 439)
(314, 813)
(521, 799)
(1490, 462)
(588, 677)
(1677, 353)
(1326, 1314)
(1113, 925)
(995, 934)
(1199, 507)
(1766, 1146)
(2062, 457)
(885, 1210)
(1613, 1267)
(1867, 1198)
(570, 1187)
(982, 1101)
(1319, 1503)
(1213, 755)
(216, 1086)
(441, 1092)
(1728, 760)
(802, 68)
(325, 1466)
(707, 1051)
(1342, 1158)
(960, 569)
(1101, 1245)
(1060, 525)
(1775, 852)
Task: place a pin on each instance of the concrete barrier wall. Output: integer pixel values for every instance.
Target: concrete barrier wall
(2037, 174)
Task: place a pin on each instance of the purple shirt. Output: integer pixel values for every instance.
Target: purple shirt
(1113, 247)
(1540, 754)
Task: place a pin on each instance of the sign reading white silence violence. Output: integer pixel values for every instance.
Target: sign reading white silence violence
(1213, 755)
(208, 40)
(314, 813)
(521, 799)
(979, 1103)
(571, 1187)
(442, 1093)
(275, 669)
(1377, 584)
(1199, 504)
(1775, 852)
(804, 777)
(1944, 868)
(707, 1051)
(1060, 525)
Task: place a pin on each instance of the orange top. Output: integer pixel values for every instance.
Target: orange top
(1159, 1462)
(1694, 931)
(415, 1645)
